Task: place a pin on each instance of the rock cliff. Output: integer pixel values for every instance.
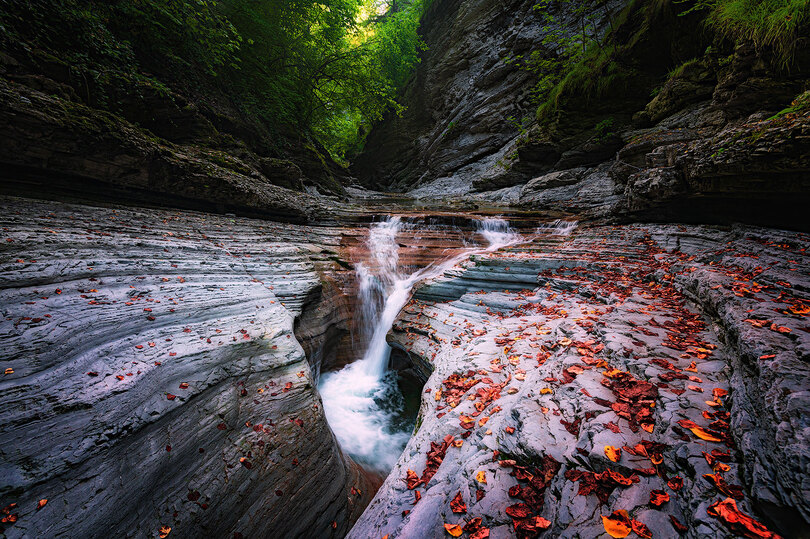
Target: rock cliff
(154, 377)
(678, 123)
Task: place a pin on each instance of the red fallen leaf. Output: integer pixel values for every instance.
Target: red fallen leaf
(733, 491)
(640, 529)
(245, 462)
(457, 504)
(680, 528)
(299, 422)
(279, 493)
(139, 346)
(613, 427)
(222, 426)
(531, 526)
(573, 426)
(479, 495)
(473, 525)
(519, 510)
(767, 356)
(416, 497)
(119, 377)
(411, 479)
(621, 479)
(92, 373)
(168, 448)
(601, 484)
(41, 503)
(675, 483)
(193, 496)
(510, 430)
(658, 497)
(722, 456)
(170, 396)
(183, 385)
(738, 522)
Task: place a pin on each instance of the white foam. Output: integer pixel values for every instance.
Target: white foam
(355, 397)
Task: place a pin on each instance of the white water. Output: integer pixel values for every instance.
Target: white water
(362, 401)
(558, 227)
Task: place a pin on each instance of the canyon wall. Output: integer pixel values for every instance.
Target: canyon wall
(154, 377)
(665, 121)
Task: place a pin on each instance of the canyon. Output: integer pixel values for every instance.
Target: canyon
(580, 318)
(184, 359)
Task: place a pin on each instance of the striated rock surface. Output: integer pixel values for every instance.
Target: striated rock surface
(153, 378)
(54, 146)
(658, 370)
(468, 97)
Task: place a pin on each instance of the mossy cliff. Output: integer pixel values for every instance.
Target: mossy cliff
(572, 87)
(86, 111)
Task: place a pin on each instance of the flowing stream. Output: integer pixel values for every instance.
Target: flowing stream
(362, 401)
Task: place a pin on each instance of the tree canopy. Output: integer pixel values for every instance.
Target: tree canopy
(326, 68)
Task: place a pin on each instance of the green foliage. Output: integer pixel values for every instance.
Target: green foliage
(767, 23)
(563, 48)
(597, 68)
(603, 128)
(800, 104)
(679, 70)
(327, 68)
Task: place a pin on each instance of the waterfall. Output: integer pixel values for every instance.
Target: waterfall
(362, 400)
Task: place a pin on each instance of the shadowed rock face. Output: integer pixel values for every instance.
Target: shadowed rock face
(465, 101)
(688, 337)
(153, 377)
(53, 146)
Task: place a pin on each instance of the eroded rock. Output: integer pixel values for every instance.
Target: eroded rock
(671, 344)
(152, 376)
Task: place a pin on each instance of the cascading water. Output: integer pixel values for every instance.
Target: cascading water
(362, 401)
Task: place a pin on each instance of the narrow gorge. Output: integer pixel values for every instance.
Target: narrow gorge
(422, 269)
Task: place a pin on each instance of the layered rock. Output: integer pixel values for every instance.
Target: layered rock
(469, 96)
(153, 378)
(50, 145)
(656, 370)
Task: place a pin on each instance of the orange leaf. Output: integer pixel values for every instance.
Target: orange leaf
(738, 522)
(164, 532)
(41, 503)
(617, 524)
(481, 477)
(701, 433)
(453, 529)
(613, 453)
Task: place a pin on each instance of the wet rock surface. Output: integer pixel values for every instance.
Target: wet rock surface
(658, 370)
(153, 378)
